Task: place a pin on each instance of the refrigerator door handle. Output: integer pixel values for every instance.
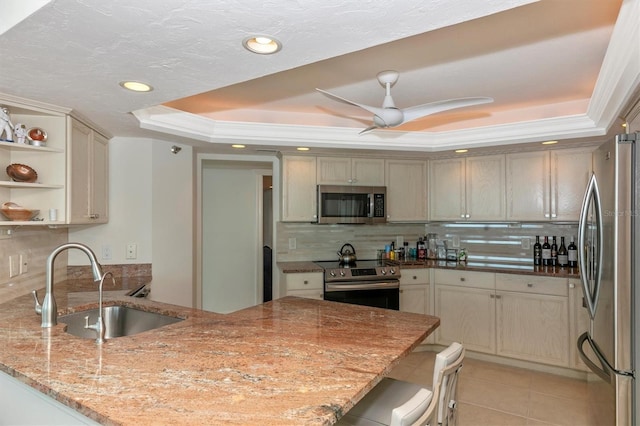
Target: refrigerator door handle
(592, 194)
(606, 369)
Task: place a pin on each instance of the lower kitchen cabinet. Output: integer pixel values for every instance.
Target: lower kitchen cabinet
(305, 284)
(414, 291)
(467, 316)
(578, 323)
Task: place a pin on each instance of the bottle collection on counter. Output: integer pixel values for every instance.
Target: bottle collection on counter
(429, 247)
(547, 254)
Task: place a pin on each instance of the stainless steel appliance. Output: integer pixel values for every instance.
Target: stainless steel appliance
(365, 282)
(351, 204)
(609, 262)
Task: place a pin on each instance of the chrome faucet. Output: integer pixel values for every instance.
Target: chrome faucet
(49, 310)
(99, 326)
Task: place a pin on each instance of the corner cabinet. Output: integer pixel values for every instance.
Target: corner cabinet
(72, 168)
(299, 198)
(547, 185)
(88, 156)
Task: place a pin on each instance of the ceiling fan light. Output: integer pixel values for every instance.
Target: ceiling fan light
(262, 45)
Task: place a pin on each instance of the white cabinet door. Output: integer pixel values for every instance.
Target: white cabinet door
(305, 284)
(467, 316)
(485, 188)
(570, 172)
(528, 186)
(406, 182)
(367, 171)
(333, 171)
(350, 171)
(299, 198)
(447, 189)
(533, 327)
(578, 323)
(414, 298)
(88, 175)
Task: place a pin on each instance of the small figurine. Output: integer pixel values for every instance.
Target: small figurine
(20, 132)
(5, 125)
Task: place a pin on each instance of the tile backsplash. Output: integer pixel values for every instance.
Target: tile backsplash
(34, 244)
(498, 242)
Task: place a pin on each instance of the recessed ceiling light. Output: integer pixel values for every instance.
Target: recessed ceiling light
(549, 143)
(263, 45)
(302, 148)
(461, 151)
(136, 86)
(239, 146)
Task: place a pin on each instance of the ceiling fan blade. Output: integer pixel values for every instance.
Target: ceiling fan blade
(368, 129)
(435, 107)
(373, 110)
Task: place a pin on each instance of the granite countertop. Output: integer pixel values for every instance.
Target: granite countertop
(291, 361)
(505, 268)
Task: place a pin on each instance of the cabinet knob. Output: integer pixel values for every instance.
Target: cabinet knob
(462, 216)
(572, 285)
(463, 279)
(467, 216)
(546, 215)
(529, 285)
(498, 296)
(415, 277)
(94, 216)
(493, 296)
(305, 282)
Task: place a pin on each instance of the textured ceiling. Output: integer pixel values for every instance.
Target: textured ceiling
(538, 60)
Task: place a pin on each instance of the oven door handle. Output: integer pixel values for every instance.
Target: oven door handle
(363, 286)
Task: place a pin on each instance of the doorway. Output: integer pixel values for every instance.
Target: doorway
(236, 228)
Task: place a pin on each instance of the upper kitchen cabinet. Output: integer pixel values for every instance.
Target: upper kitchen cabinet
(350, 171)
(52, 162)
(299, 199)
(406, 182)
(470, 188)
(547, 185)
(88, 155)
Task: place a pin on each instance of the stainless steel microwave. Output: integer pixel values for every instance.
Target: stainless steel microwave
(352, 204)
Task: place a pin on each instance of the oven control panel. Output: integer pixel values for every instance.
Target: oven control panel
(364, 274)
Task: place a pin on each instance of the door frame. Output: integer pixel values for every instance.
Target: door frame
(242, 161)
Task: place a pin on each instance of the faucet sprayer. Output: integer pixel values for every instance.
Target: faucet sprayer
(49, 309)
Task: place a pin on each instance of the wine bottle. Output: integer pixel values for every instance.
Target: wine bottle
(554, 252)
(563, 258)
(572, 254)
(421, 249)
(537, 252)
(546, 252)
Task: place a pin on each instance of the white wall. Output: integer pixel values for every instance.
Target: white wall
(130, 209)
(151, 201)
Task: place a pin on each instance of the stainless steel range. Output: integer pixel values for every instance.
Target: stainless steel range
(364, 282)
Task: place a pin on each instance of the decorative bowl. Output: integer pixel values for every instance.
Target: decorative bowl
(37, 136)
(21, 173)
(13, 211)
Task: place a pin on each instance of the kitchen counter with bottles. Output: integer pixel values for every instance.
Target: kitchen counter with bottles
(505, 268)
(290, 361)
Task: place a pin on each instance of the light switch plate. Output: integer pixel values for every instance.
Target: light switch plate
(132, 251)
(24, 264)
(14, 266)
(292, 243)
(455, 241)
(526, 244)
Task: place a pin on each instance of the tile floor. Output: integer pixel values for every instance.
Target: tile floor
(491, 394)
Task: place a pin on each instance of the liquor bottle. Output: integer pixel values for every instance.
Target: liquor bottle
(421, 249)
(563, 258)
(537, 252)
(554, 252)
(546, 252)
(572, 254)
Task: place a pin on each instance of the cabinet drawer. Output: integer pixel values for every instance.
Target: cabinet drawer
(466, 278)
(532, 284)
(414, 276)
(304, 281)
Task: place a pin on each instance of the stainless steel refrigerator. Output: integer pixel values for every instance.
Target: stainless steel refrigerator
(609, 261)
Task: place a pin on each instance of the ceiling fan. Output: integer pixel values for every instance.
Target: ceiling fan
(390, 116)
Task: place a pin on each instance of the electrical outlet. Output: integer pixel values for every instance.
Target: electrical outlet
(292, 243)
(526, 244)
(132, 251)
(24, 264)
(106, 252)
(455, 241)
(14, 266)
(399, 241)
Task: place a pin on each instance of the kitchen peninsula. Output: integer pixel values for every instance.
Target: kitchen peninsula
(290, 361)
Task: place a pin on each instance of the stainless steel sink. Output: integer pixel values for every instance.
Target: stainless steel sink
(118, 320)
